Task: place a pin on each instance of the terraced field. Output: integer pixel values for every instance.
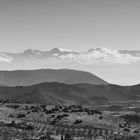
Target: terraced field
(37, 120)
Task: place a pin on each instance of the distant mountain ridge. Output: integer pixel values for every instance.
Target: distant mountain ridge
(31, 77)
(94, 55)
(82, 94)
(32, 54)
(132, 52)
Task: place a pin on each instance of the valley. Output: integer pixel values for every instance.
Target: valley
(52, 122)
(66, 105)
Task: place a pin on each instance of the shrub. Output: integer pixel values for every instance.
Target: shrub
(131, 118)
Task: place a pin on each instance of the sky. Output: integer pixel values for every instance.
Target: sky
(71, 24)
(74, 24)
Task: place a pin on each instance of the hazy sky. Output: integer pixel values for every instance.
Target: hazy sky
(71, 24)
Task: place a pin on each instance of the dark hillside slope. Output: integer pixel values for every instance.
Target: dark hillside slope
(70, 94)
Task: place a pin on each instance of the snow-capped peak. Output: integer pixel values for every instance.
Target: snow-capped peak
(65, 50)
(103, 55)
(32, 52)
(5, 58)
(94, 55)
(103, 50)
(60, 50)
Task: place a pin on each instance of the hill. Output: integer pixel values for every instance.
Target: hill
(84, 94)
(31, 77)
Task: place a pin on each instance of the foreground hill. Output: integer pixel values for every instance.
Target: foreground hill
(70, 94)
(31, 77)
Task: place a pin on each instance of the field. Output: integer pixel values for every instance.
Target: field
(35, 121)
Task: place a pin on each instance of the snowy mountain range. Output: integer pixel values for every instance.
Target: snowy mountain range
(91, 56)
